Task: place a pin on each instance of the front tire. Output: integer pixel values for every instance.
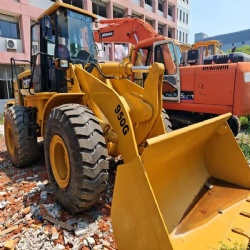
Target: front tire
(76, 157)
(22, 151)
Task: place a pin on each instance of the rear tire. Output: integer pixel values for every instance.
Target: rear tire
(22, 151)
(166, 121)
(234, 124)
(76, 157)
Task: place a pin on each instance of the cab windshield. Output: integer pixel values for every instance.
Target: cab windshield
(76, 33)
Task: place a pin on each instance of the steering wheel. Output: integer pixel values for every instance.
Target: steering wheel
(84, 56)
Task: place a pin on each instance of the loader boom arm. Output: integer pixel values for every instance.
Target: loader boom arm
(133, 113)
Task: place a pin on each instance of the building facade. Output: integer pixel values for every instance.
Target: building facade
(199, 36)
(182, 32)
(229, 40)
(16, 17)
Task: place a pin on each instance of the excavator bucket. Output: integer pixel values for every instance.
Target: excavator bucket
(188, 190)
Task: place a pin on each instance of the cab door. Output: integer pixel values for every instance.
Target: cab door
(165, 52)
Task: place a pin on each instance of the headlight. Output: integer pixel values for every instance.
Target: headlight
(61, 64)
(64, 63)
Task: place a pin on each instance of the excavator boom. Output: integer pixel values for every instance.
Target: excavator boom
(135, 30)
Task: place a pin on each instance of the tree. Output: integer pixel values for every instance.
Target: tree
(244, 49)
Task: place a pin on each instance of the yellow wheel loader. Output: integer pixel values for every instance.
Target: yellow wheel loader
(187, 189)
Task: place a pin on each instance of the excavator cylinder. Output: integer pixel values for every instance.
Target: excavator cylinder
(188, 190)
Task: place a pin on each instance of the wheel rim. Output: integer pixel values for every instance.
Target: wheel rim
(9, 139)
(59, 160)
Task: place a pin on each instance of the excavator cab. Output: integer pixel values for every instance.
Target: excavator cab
(165, 52)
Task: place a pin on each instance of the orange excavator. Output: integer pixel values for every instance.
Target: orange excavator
(192, 93)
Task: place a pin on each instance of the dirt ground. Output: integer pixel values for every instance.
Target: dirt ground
(23, 206)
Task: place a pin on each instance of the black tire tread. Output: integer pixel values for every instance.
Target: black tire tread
(26, 150)
(234, 124)
(89, 173)
(166, 121)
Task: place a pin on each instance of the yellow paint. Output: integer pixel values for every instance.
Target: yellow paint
(59, 160)
(152, 193)
(9, 138)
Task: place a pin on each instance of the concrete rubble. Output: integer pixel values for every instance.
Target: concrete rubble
(30, 218)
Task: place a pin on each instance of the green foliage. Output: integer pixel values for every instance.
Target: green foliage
(236, 246)
(245, 122)
(244, 49)
(244, 139)
(245, 148)
(1, 118)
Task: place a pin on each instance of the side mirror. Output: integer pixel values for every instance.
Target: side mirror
(46, 25)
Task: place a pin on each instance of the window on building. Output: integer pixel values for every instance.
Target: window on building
(9, 30)
(160, 5)
(177, 34)
(183, 37)
(136, 15)
(186, 38)
(160, 29)
(117, 12)
(170, 32)
(6, 90)
(180, 15)
(243, 42)
(180, 36)
(177, 13)
(187, 18)
(99, 8)
(77, 3)
(149, 21)
(170, 10)
(149, 2)
(184, 17)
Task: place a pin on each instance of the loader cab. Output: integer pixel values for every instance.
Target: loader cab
(193, 56)
(63, 34)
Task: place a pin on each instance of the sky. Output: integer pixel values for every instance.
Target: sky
(217, 17)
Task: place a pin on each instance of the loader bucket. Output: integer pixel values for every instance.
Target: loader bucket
(188, 190)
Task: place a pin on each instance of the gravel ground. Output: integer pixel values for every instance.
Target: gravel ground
(30, 217)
